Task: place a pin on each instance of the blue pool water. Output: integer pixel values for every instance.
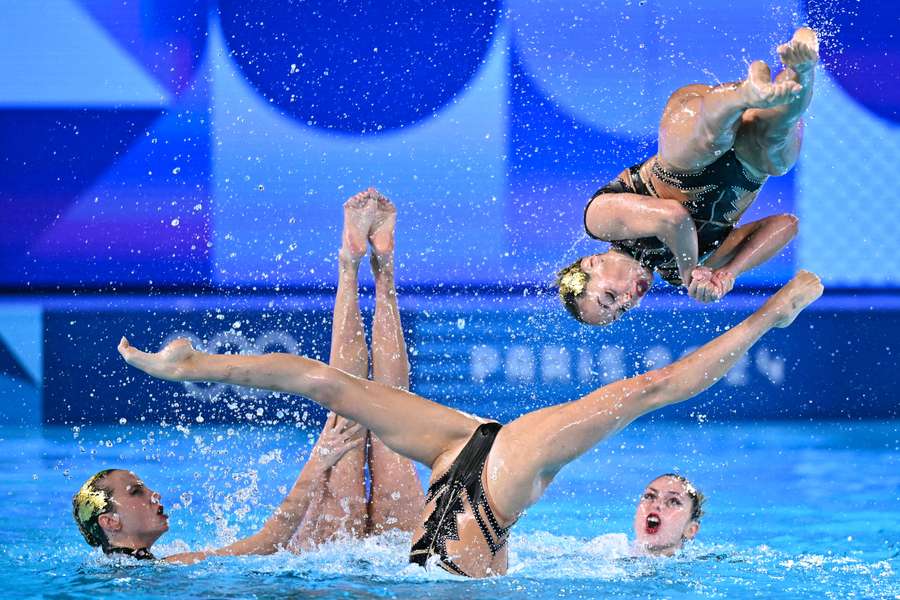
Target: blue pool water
(795, 510)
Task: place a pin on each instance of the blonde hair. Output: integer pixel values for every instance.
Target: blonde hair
(572, 281)
(88, 504)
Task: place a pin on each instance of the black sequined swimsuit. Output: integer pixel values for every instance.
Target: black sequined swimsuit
(715, 191)
(138, 553)
(461, 481)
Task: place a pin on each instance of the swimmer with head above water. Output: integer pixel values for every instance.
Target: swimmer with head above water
(668, 514)
(676, 213)
(117, 512)
(484, 474)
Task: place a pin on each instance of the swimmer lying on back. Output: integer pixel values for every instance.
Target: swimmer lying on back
(117, 512)
(483, 474)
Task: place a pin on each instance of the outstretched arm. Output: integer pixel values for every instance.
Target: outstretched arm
(745, 248)
(278, 529)
(612, 217)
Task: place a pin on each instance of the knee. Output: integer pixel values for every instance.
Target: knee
(325, 385)
(790, 224)
(684, 93)
(777, 168)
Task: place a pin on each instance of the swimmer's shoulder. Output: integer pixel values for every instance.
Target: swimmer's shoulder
(185, 558)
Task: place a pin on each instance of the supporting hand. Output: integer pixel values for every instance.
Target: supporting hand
(338, 437)
(708, 285)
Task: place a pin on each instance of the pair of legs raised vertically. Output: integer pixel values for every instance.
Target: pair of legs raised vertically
(396, 493)
(759, 117)
(529, 451)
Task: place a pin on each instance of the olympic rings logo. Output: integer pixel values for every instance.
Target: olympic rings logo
(234, 342)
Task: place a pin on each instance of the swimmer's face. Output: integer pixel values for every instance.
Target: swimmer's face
(663, 520)
(137, 516)
(616, 284)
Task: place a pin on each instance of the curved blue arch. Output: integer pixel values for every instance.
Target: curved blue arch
(861, 50)
(358, 68)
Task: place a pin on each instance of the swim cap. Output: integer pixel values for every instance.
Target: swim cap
(88, 504)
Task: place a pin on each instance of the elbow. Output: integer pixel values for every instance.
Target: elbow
(263, 542)
(778, 167)
(676, 217)
(780, 159)
(324, 385)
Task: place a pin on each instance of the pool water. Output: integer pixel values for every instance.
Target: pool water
(795, 510)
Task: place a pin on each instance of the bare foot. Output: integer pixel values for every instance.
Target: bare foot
(381, 234)
(760, 92)
(359, 212)
(174, 362)
(802, 53)
(797, 294)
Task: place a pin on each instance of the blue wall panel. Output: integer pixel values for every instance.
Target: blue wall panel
(494, 359)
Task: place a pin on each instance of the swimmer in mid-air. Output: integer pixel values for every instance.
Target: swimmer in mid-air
(117, 512)
(676, 213)
(483, 474)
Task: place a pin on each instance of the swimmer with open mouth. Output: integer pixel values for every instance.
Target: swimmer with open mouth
(668, 515)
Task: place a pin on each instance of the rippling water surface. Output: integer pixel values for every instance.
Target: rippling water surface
(795, 511)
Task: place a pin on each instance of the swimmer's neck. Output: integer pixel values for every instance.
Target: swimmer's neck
(669, 550)
(123, 543)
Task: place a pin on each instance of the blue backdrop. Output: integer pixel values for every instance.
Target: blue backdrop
(495, 357)
(170, 142)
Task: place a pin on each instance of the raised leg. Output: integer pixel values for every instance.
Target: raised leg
(342, 509)
(396, 494)
(701, 122)
(532, 449)
(769, 139)
(412, 426)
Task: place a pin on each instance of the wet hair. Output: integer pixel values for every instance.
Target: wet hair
(572, 281)
(91, 501)
(696, 496)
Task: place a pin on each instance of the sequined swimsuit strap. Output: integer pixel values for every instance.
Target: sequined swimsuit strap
(138, 553)
(462, 479)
